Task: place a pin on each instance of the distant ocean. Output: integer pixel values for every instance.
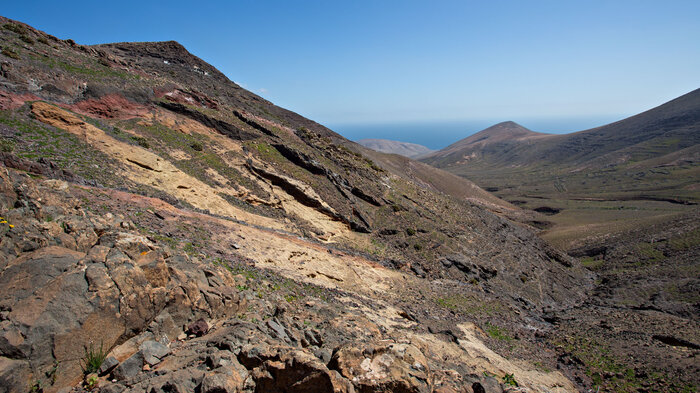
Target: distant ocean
(436, 135)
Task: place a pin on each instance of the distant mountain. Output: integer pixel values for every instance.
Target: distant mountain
(410, 150)
(506, 131)
(664, 130)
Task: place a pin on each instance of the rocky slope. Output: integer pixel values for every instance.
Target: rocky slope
(410, 150)
(622, 198)
(208, 240)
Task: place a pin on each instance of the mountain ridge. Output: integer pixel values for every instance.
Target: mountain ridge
(406, 149)
(581, 146)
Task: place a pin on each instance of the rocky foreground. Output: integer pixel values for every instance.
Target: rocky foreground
(76, 277)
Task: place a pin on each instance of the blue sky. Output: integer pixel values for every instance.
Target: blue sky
(388, 62)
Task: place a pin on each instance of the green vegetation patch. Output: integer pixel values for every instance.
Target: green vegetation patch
(685, 241)
(592, 263)
(35, 140)
(498, 333)
(470, 305)
(650, 252)
(7, 51)
(93, 358)
(609, 374)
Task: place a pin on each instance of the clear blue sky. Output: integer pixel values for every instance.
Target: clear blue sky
(369, 62)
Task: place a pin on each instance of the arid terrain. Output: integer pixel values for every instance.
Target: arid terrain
(165, 230)
(624, 199)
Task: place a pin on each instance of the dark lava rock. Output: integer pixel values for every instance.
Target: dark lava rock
(198, 328)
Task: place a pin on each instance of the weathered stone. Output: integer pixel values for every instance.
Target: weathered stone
(154, 268)
(129, 368)
(220, 382)
(296, 371)
(380, 367)
(154, 348)
(108, 365)
(277, 329)
(198, 328)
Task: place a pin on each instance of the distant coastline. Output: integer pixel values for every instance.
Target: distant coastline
(437, 135)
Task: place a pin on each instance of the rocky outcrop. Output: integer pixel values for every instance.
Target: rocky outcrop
(383, 368)
(223, 127)
(89, 282)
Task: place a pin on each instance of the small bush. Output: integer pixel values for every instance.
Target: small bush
(10, 53)
(91, 382)
(141, 142)
(509, 379)
(410, 231)
(7, 145)
(43, 40)
(26, 39)
(496, 332)
(92, 360)
(197, 146)
(19, 29)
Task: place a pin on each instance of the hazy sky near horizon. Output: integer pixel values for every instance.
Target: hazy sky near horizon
(373, 62)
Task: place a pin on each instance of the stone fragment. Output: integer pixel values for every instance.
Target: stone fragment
(108, 365)
(129, 368)
(198, 328)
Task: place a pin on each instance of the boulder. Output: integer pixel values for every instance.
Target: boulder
(129, 368)
(153, 352)
(383, 367)
(198, 328)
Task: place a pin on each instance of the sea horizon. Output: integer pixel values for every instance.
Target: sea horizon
(440, 134)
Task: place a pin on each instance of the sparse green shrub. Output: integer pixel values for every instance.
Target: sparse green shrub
(91, 382)
(52, 374)
(43, 40)
(10, 53)
(197, 146)
(93, 358)
(509, 379)
(592, 263)
(26, 39)
(650, 252)
(14, 27)
(191, 249)
(417, 247)
(410, 231)
(496, 332)
(141, 141)
(7, 145)
(37, 387)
